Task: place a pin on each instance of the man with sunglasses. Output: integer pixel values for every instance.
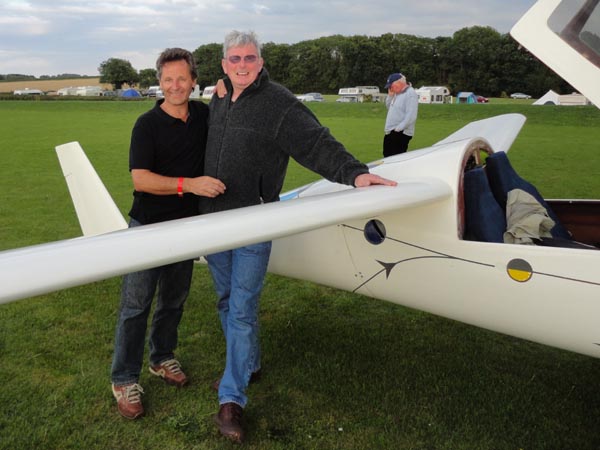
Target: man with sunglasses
(253, 131)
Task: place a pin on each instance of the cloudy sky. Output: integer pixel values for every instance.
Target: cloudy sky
(50, 37)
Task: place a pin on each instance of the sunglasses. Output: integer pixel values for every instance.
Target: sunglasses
(235, 59)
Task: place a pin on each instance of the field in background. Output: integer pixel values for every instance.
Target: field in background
(54, 85)
(492, 100)
(51, 85)
(341, 371)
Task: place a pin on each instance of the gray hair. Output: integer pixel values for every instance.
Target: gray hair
(239, 39)
(176, 54)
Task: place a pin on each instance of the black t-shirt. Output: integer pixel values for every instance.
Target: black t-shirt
(167, 146)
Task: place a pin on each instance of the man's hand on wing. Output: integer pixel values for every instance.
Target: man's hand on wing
(370, 179)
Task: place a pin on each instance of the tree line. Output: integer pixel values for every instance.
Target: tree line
(22, 77)
(477, 59)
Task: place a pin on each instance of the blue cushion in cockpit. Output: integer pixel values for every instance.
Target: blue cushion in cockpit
(484, 218)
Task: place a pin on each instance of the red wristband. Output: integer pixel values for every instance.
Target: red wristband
(180, 187)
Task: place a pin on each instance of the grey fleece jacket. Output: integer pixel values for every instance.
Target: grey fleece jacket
(250, 142)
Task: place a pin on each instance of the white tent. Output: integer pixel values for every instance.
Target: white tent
(552, 98)
(549, 98)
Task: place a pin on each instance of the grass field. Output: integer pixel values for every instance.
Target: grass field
(341, 371)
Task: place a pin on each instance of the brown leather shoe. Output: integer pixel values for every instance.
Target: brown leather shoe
(229, 421)
(129, 400)
(254, 378)
(171, 372)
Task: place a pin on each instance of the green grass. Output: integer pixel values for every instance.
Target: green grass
(341, 371)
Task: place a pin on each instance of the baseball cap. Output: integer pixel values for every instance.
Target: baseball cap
(392, 78)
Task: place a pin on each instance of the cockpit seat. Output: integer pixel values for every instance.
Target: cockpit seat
(503, 178)
(485, 220)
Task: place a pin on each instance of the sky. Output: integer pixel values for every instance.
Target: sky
(52, 37)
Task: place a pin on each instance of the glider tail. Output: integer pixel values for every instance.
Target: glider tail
(95, 208)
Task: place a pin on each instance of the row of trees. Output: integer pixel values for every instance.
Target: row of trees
(22, 77)
(477, 59)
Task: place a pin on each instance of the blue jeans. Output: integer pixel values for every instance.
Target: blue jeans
(238, 276)
(137, 292)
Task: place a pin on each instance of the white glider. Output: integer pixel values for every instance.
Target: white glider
(433, 243)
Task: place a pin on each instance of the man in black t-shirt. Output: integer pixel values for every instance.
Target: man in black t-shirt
(166, 160)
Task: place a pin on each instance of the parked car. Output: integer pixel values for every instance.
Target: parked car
(310, 97)
(482, 99)
(152, 90)
(520, 95)
(348, 99)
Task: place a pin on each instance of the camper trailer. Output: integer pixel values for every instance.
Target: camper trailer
(66, 91)
(88, 91)
(574, 99)
(361, 93)
(82, 91)
(208, 92)
(196, 92)
(433, 94)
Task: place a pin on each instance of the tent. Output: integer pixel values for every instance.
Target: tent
(130, 93)
(549, 98)
(552, 98)
(466, 97)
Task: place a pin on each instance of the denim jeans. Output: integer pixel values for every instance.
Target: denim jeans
(137, 292)
(238, 276)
